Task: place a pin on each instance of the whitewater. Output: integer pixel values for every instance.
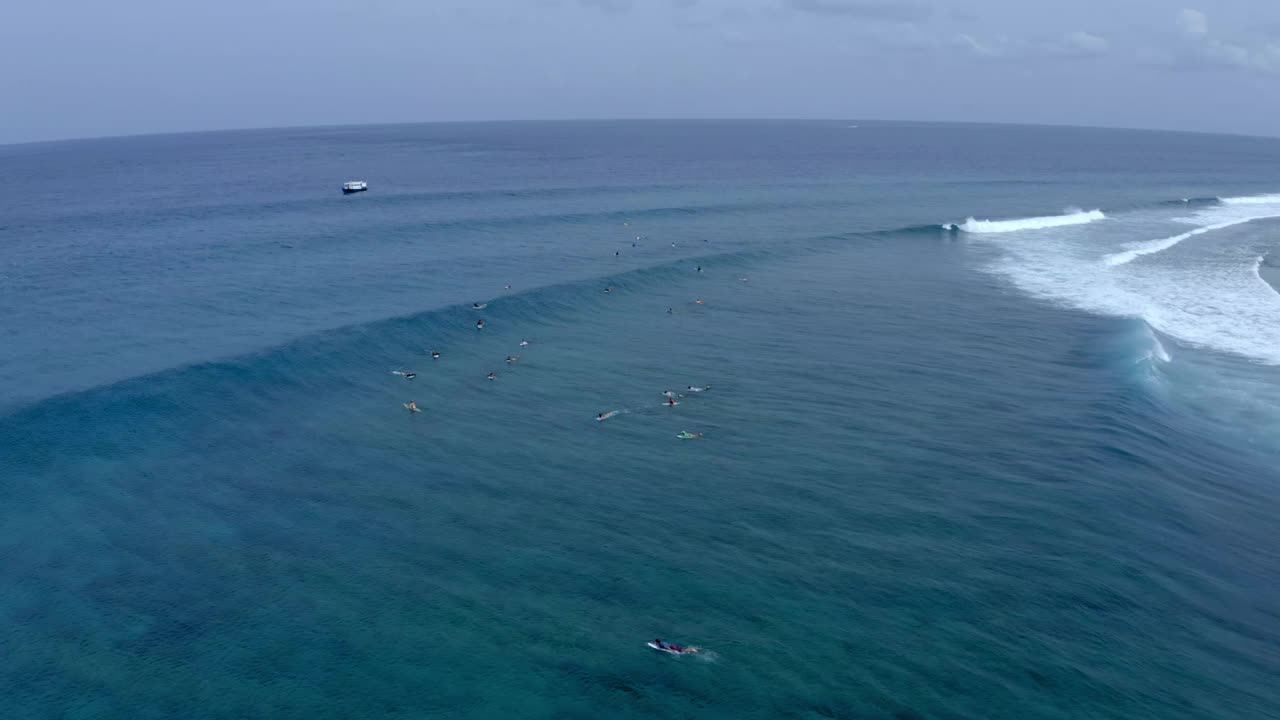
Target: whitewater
(1200, 286)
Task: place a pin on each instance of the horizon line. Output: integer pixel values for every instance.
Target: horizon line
(530, 121)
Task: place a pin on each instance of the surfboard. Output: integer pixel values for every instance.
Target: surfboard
(669, 651)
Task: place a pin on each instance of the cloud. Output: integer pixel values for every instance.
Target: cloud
(1193, 22)
(981, 48)
(904, 11)
(1074, 44)
(1205, 50)
(1077, 44)
(609, 6)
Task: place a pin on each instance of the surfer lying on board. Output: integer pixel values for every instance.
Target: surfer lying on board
(695, 388)
(673, 648)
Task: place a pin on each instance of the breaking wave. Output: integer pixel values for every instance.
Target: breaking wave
(1270, 199)
(1081, 217)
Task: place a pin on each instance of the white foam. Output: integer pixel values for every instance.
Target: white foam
(1152, 354)
(1272, 199)
(1158, 351)
(1080, 217)
(1155, 246)
(1209, 293)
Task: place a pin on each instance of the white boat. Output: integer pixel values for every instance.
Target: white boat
(354, 186)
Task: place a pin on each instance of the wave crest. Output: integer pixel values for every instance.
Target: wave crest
(1080, 217)
(1272, 199)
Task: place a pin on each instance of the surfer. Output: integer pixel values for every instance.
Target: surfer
(479, 306)
(695, 388)
(686, 435)
(668, 647)
(671, 311)
(605, 416)
(479, 324)
(413, 406)
(435, 354)
(409, 375)
(617, 253)
(671, 401)
(492, 376)
(608, 290)
(512, 358)
(524, 343)
(699, 268)
(698, 301)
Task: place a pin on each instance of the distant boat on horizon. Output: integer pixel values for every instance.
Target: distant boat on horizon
(354, 186)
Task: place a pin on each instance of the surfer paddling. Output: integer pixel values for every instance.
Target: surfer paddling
(658, 644)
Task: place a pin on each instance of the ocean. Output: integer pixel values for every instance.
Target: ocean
(991, 429)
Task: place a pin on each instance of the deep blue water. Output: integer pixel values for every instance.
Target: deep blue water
(950, 468)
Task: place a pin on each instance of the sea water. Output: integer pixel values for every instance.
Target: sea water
(991, 432)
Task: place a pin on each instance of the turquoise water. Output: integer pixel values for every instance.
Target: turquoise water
(1019, 470)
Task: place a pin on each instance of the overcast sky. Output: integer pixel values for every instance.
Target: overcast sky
(76, 68)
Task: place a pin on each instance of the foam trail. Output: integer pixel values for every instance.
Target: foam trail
(1155, 246)
(1257, 273)
(1272, 199)
(1158, 351)
(1032, 223)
